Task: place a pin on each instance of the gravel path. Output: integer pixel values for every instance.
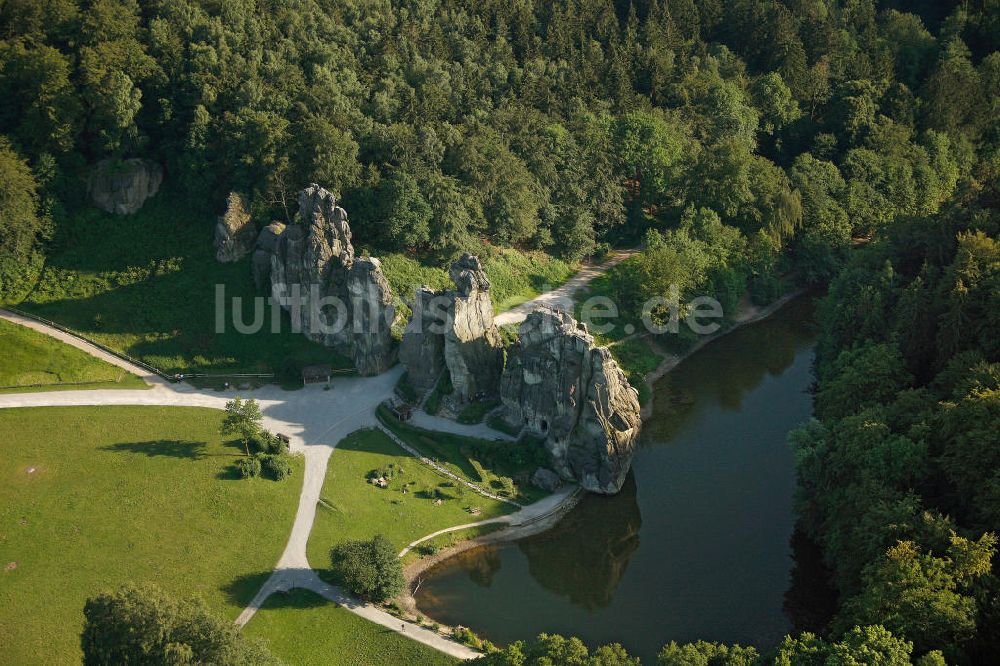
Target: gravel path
(528, 514)
(80, 343)
(314, 420)
(562, 296)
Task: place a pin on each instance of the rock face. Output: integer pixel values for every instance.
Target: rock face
(561, 386)
(122, 186)
(267, 241)
(422, 350)
(370, 315)
(333, 298)
(546, 479)
(454, 330)
(234, 232)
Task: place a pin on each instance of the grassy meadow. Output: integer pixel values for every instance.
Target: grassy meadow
(515, 275)
(303, 629)
(92, 497)
(351, 507)
(33, 361)
(486, 463)
(145, 285)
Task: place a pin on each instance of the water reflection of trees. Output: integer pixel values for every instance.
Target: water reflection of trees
(723, 373)
(479, 564)
(811, 599)
(585, 556)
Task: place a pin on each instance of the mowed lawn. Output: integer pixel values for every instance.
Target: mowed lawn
(92, 497)
(35, 361)
(352, 508)
(303, 629)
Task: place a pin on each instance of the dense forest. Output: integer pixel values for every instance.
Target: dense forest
(746, 145)
(562, 126)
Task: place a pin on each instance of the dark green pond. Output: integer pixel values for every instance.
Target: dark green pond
(696, 546)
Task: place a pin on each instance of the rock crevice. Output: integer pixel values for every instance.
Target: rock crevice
(453, 331)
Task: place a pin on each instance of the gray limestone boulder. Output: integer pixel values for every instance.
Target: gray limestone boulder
(235, 233)
(473, 348)
(564, 388)
(370, 314)
(123, 186)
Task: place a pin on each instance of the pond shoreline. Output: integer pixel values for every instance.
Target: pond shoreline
(747, 314)
(413, 571)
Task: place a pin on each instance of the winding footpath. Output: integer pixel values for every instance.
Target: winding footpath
(315, 421)
(564, 296)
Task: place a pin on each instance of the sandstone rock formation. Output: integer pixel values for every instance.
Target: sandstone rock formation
(422, 349)
(370, 316)
(546, 479)
(234, 232)
(267, 241)
(122, 186)
(559, 385)
(332, 297)
(454, 330)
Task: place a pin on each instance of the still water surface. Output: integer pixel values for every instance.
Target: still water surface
(696, 546)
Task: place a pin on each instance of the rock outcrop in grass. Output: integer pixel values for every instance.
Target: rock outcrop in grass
(335, 298)
(454, 330)
(564, 388)
(122, 186)
(235, 233)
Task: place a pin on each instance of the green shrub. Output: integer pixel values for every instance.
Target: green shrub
(468, 637)
(497, 423)
(405, 389)
(142, 625)
(601, 251)
(443, 388)
(249, 468)
(475, 411)
(277, 467)
(369, 568)
(268, 443)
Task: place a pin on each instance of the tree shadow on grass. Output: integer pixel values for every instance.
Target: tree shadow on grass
(230, 473)
(236, 445)
(164, 448)
(297, 598)
(241, 591)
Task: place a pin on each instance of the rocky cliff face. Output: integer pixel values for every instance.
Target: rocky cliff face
(264, 249)
(473, 350)
(454, 330)
(559, 385)
(234, 232)
(422, 350)
(371, 313)
(122, 186)
(333, 298)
